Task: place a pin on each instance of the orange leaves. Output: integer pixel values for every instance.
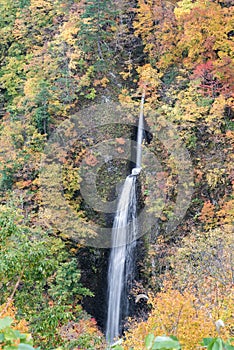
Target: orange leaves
(197, 292)
(23, 184)
(203, 31)
(91, 160)
(120, 150)
(120, 140)
(144, 23)
(101, 82)
(190, 32)
(125, 98)
(155, 24)
(83, 328)
(226, 212)
(208, 215)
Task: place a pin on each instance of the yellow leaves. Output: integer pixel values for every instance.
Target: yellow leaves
(204, 27)
(149, 76)
(188, 107)
(71, 180)
(41, 15)
(197, 264)
(155, 24)
(125, 99)
(215, 118)
(85, 80)
(127, 74)
(226, 212)
(8, 150)
(8, 309)
(189, 314)
(20, 29)
(173, 313)
(11, 77)
(68, 32)
(149, 80)
(101, 82)
(74, 57)
(166, 60)
(214, 176)
(184, 7)
(23, 184)
(31, 87)
(144, 23)
(70, 28)
(44, 4)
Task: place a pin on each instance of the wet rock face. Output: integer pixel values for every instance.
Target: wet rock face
(94, 265)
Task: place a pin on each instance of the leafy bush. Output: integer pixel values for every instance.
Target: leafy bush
(40, 275)
(11, 338)
(217, 344)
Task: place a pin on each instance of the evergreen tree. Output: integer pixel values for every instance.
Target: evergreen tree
(97, 28)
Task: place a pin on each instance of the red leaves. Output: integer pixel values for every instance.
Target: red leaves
(209, 84)
(203, 70)
(209, 74)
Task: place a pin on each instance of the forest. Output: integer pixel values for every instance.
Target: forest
(73, 77)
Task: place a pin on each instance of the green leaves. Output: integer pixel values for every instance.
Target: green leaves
(149, 341)
(172, 343)
(11, 338)
(162, 343)
(5, 322)
(30, 257)
(216, 344)
(97, 28)
(66, 286)
(25, 347)
(158, 343)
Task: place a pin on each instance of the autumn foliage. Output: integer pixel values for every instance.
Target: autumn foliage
(59, 57)
(8, 310)
(181, 314)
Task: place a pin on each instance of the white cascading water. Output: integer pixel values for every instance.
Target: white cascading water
(123, 223)
(124, 235)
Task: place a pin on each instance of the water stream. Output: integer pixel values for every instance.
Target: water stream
(124, 235)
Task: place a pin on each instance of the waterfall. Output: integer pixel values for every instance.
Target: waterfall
(124, 235)
(124, 225)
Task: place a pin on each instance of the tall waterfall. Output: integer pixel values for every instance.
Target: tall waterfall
(124, 235)
(124, 225)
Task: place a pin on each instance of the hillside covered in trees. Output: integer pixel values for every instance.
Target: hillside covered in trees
(61, 58)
